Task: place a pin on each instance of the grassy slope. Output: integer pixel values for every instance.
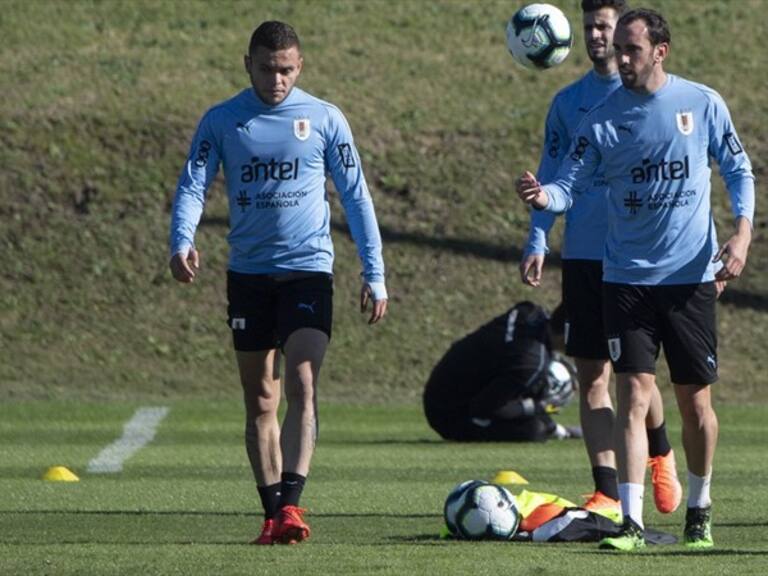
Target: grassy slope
(100, 100)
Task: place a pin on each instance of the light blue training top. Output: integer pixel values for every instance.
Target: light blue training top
(655, 152)
(586, 223)
(275, 161)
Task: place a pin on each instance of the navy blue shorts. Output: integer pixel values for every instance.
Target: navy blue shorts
(265, 309)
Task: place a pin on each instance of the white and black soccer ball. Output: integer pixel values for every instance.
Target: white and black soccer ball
(560, 384)
(483, 511)
(455, 501)
(539, 36)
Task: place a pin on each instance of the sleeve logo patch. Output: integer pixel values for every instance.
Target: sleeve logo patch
(202, 154)
(554, 144)
(347, 156)
(733, 143)
(579, 149)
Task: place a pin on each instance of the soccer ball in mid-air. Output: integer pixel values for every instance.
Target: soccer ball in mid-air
(477, 510)
(539, 36)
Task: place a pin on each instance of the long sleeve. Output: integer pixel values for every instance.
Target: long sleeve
(576, 172)
(343, 162)
(555, 147)
(199, 171)
(735, 167)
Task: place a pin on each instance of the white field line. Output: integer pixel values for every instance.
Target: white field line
(137, 433)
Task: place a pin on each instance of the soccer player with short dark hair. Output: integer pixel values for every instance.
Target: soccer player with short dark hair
(654, 139)
(277, 144)
(586, 226)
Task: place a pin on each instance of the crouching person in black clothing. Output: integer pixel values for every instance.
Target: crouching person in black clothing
(502, 381)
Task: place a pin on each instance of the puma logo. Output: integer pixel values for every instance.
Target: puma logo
(309, 307)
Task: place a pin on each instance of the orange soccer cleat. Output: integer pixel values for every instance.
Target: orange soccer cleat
(667, 492)
(267, 535)
(604, 505)
(290, 526)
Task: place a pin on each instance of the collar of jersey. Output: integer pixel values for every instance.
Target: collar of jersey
(258, 103)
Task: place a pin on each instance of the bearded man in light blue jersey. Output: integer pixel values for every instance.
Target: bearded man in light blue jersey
(277, 144)
(586, 226)
(654, 138)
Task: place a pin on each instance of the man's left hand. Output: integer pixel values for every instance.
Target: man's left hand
(733, 253)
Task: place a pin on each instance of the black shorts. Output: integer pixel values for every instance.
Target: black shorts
(639, 319)
(264, 309)
(583, 303)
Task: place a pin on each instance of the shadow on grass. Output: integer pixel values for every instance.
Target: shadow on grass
(386, 441)
(504, 253)
(676, 552)
(204, 513)
(460, 245)
(143, 473)
(423, 539)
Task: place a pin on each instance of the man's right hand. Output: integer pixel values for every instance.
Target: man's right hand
(530, 269)
(529, 190)
(184, 265)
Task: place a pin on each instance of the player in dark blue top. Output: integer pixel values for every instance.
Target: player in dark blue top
(277, 145)
(655, 138)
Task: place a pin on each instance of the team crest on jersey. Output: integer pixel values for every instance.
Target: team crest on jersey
(614, 348)
(301, 128)
(685, 123)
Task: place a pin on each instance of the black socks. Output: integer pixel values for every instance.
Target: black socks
(291, 486)
(287, 492)
(658, 443)
(606, 481)
(270, 499)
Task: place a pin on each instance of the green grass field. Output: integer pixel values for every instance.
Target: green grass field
(100, 99)
(186, 503)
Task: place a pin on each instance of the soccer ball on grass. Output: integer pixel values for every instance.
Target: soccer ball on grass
(539, 36)
(478, 510)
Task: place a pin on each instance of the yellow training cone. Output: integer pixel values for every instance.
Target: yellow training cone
(60, 474)
(508, 477)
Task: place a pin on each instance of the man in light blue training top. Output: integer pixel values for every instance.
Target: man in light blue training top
(277, 144)
(586, 226)
(653, 139)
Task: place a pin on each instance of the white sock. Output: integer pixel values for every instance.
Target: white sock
(698, 490)
(631, 496)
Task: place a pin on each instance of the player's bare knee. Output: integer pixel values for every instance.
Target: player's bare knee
(262, 403)
(698, 415)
